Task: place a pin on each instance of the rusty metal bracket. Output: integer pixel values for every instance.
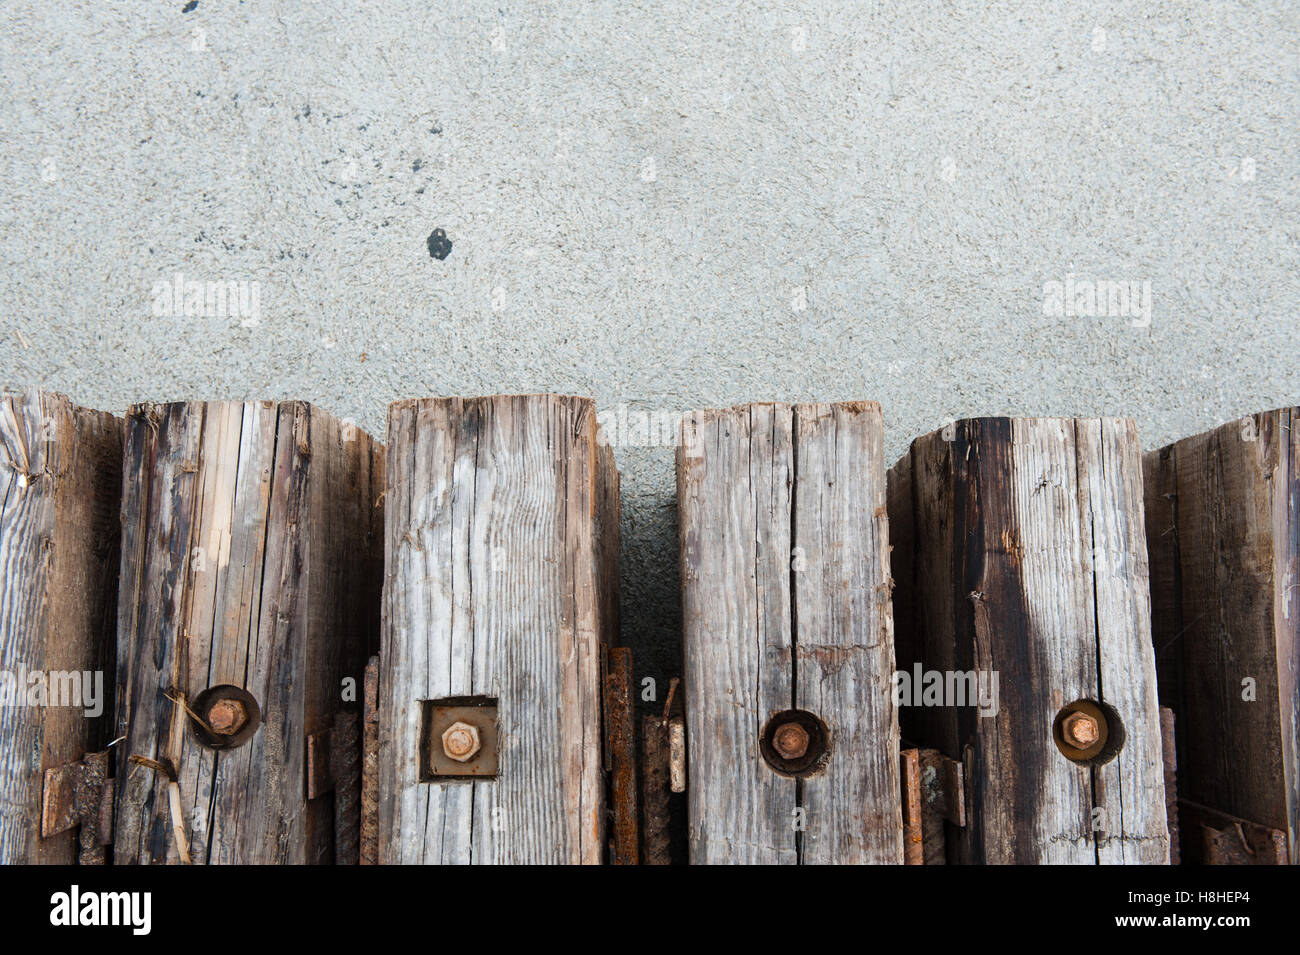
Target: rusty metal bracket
(1224, 839)
(80, 794)
(943, 787)
(934, 792)
(333, 765)
(1230, 840)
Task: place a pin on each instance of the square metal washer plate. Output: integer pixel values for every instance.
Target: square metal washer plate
(436, 716)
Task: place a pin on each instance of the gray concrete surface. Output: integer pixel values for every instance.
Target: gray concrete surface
(662, 205)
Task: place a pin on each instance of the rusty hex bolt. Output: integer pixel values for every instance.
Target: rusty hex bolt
(790, 740)
(1080, 730)
(227, 717)
(460, 742)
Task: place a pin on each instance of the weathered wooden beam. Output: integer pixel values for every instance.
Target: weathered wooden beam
(498, 602)
(793, 733)
(61, 467)
(249, 603)
(1224, 529)
(1020, 553)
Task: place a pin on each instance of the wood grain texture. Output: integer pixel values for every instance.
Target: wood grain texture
(250, 557)
(1023, 553)
(501, 555)
(1225, 534)
(785, 597)
(61, 470)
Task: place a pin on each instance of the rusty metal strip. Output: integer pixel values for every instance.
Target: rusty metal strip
(1170, 755)
(369, 840)
(655, 792)
(319, 779)
(620, 743)
(913, 843)
(1230, 840)
(345, 767)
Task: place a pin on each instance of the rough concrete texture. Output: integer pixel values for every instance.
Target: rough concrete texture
(664, 205)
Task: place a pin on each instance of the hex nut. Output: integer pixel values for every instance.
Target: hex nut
(460, 742)
(1080, 731)
(227, 717)
(790, 740)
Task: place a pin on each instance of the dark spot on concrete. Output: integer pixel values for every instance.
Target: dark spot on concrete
(190, 7)
(436, 129)
(439, 244)
(417, 165)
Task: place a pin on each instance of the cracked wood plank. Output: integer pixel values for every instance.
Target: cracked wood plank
(250, 558)
(1022, 552)
(501, 582)
(1221, 510)
(786, 605)
(61, 467)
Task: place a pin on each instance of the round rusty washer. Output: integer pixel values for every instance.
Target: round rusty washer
(795, 743)
(224, 716)
(1088, 732)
